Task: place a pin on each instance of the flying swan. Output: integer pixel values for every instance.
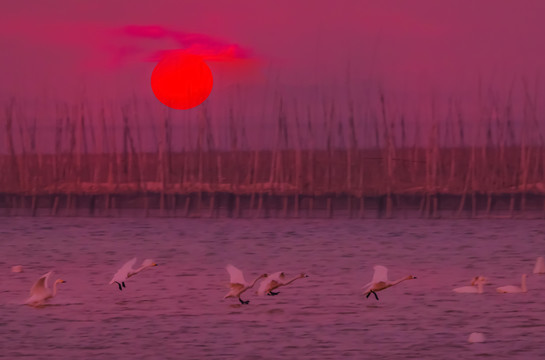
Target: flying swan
(380, 281)
(127, 271)
(276, 280)
(237, 283)
(475, 288)
(511, 289)
(40, 292)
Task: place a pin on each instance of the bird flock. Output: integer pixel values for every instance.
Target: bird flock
(40, 292)
(238, 285)
(478, 282)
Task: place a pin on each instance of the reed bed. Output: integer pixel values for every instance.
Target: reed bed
(363, 156)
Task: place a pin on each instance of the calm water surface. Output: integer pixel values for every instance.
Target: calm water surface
(177, 310)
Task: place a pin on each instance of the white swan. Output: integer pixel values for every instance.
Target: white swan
(127, 271)
(237, 283)
(276, 280)
(539, 268)
(476, 337)
(475, 288)
(380, 281)
(40, 292)
(17, 268)
(511, 289)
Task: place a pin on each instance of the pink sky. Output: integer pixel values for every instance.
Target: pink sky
(399, 43)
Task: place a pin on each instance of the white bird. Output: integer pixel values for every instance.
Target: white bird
(513, 288)
(539, 268)
(17, 268)
(475, 288)
(127, 271)
(237, 283)
(380, 281)
(40, 292)
(476, 337)
(276, 280)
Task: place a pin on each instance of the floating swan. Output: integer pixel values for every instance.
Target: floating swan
(476, 337)
(40, 292)
(475, 288)
(17, 268)
(276, 280)
(514, 289)
(127, 271)
(539, 268)
(380, 281)
(238, 284)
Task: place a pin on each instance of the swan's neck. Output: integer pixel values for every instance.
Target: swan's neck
(132, 273)
(140, 269)
(479, 287)
(400, 280)
(292, 280)
(54, 289)
(253, 283)
(523, 284)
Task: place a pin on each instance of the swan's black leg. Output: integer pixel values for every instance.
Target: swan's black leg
(243, 302)
(369, 293)
(118, 284)
(374, 293)
(123, 283)
(273, 293)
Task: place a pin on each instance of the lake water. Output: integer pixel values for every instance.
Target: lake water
(177, 310)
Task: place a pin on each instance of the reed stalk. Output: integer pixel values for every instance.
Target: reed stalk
(329, 152)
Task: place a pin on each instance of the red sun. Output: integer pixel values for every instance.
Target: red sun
(181, 81)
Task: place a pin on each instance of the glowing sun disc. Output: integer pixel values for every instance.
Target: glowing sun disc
(181, 81)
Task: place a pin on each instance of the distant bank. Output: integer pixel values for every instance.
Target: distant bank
(386, 183)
